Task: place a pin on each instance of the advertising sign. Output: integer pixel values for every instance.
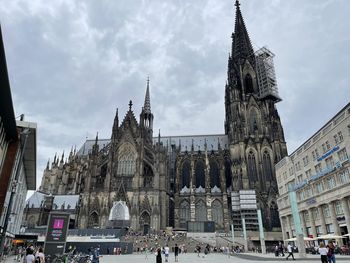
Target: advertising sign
(56, 235)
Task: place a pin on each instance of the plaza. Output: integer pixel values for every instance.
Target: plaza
(214, 257)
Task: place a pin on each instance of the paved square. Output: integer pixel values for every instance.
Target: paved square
(217, 258)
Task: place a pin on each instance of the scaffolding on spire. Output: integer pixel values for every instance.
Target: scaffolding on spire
(266, 74)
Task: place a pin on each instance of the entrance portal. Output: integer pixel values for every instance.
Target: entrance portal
(145, 222)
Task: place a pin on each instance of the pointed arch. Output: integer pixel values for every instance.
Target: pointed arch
(93, 220)
(214, 174)
(254, 120)
(248, 84)
(217, 213)
(185, 174)
(147, 175)
(201, 211)
(184, 213)
(126, 159)
(274, 215)
(252, 169)
(267, 166)
(228, 173)
(200, 174)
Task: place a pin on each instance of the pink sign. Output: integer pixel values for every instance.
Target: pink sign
(58, 223)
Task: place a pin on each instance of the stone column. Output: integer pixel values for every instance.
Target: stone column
(312, 223)
(303, 222)
(346, 212)
(334, 219)
(283, 221)
(289, 226)
(323, 221)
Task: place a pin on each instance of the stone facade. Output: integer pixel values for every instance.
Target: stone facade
(319, 173)
(168, 181)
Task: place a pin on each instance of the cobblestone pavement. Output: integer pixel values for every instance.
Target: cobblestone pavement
(215, 258)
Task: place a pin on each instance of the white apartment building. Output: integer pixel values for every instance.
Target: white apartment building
(319, 173)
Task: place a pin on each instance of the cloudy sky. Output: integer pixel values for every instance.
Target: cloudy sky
(72, 63)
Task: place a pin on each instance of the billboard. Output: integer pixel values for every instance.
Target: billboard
(56, 234)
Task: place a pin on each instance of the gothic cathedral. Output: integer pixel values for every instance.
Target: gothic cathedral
(170, 181)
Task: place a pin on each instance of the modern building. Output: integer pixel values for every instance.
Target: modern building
(170, 181)
(319, 173)
(17, 159)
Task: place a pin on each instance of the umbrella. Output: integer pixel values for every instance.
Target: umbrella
(291, 239)
(295, 239)
(330, 236)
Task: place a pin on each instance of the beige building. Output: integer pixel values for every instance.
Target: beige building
(318, 172)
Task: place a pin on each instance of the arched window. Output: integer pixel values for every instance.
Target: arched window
(252, 171)
(147, 175)
(214, 174)
(248, 84)
(201, 211)
(253, 121)
(186, 170)
(200, 174)
(217, 213)
(275, 222)
(126, 160)
(228, 174)
(184, 213)
(267, 167)
(93, 220)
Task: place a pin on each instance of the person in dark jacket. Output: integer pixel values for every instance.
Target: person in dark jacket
(159, 256)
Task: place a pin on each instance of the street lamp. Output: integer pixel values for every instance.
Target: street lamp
(23, 134)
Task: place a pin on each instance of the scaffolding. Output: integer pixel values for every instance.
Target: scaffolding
(266, 74)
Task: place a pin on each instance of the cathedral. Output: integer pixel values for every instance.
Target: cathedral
(170, 181)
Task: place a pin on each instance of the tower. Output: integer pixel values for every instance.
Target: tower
(252, 124)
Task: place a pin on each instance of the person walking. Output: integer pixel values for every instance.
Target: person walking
(322, 250)
(290, 251)
(331, 252)
(166, 252)
(159, 256)
(176, 252)
(29, 257)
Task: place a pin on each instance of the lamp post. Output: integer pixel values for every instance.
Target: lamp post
(13, 184)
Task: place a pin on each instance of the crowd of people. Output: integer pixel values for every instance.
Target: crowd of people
(30, 254)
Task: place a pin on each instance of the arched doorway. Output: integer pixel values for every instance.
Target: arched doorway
(145, 222)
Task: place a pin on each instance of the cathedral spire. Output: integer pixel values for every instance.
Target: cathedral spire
(241, 45)
(147, 104)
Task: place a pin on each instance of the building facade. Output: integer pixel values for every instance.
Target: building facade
(17, 160)
(319, 173)
(169, 181)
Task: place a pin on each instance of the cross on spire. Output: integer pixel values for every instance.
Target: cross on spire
(130, 104)
(237, 3)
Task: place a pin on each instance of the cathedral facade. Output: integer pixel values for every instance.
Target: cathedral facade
(170, 181)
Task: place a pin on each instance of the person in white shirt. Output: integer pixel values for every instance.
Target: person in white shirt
(29, 257)
(290, 251)
(323, 252)
(166, 252)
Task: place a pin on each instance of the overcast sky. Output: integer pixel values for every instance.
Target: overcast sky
(72, 63)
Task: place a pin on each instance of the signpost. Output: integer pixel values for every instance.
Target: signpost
(56, 235)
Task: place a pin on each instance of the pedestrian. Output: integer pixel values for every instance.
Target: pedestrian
(330, 253)
(29, 257)
(159, 256)
(290, 251)
(40, 255)
(281, 249)
(176, 252)
(146, 252)
(166, 252)
(322, 250)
